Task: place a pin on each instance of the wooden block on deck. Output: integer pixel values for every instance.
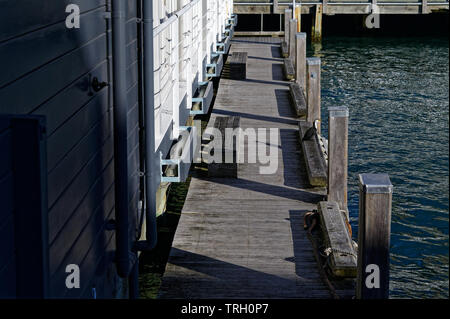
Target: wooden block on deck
(289, 71)
(298, 99)
(316, 165)
(343, 259)
(238, 66)
(284, 49)
(230, 148)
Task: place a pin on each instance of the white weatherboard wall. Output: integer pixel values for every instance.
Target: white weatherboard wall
(185, 37)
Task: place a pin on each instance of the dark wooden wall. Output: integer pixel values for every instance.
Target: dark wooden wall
(7, 254)
(46, 69)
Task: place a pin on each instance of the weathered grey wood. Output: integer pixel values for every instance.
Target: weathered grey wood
(287, 18)
(239, 58)
(228, 167)
(243, 238)
(344, 7)
(374, 232)
(238, 65)
(275, 7)
(300, 74)
(325, 6)
(284, 49)
(289, 71)
(292, 33)
(314, 158)
(298, 99)
(338, 155)
(298, 16)
(425, 7)
(316, 32)
(313, 66)
(343, 261)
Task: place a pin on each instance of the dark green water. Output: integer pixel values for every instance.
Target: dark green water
(397, 93)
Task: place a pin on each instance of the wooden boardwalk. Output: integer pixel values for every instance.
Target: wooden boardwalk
(244, 238)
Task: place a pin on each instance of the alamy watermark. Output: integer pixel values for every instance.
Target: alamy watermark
(235, 145)
(73, 19)
(73, 277)
(373, 19)
(373, 277)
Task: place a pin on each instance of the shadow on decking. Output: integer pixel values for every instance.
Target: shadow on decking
(295, 174)
(274, 82)
(223, 279)
(284, 106)
(278, 74)
(235, 40)
(302, 252)
(255, 117)
(275, 50)
(273, 190)
(265, 59)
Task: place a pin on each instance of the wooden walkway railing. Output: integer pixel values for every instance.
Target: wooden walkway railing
(330, 7)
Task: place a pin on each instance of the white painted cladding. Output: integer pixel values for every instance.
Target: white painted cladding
(185, 36)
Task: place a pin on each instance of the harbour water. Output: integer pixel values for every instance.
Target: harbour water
(397, 93)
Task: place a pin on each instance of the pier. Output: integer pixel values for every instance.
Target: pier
(247, 231)
(243, 237)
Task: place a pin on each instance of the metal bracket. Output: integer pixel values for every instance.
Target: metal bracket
(220, 48)
(183, 163)
(217, 65)
(204, 100)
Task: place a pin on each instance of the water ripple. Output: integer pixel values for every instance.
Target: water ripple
(397, 93)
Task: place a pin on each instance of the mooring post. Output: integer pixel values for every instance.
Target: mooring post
(338, 155)
(316, 34)
(287, 18)
(292, 33)
(374, 232)
(424, 6)
(300, 69)
(298, 16)
(313, 90)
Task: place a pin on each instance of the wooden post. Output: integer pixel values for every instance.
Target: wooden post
(292, 33)
(317, 24)
(374, 232)
(338, 155)
(300, 69)
(287, 18)
(275, 6)
(424, 6)
(298, 16)
(313, 90)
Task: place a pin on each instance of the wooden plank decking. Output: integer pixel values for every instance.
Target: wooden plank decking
(244, 237)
